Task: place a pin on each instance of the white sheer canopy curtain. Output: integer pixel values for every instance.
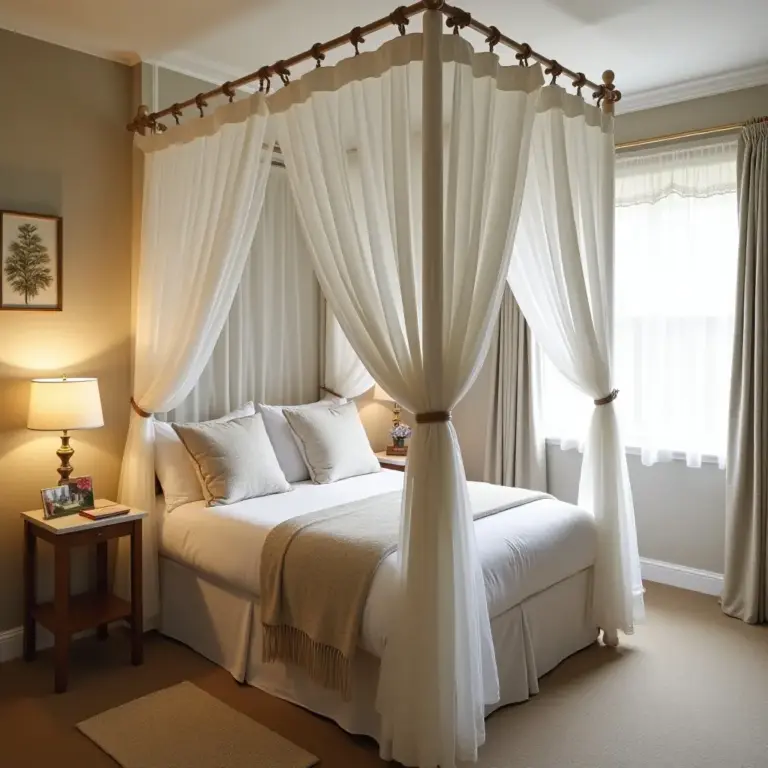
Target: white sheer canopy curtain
(268, 348)
(416, 289)
(562, 277)
(203, 192)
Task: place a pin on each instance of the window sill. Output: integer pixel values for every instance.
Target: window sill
(632, 450)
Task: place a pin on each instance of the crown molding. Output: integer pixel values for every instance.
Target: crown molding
(186, 63)
(695, 89)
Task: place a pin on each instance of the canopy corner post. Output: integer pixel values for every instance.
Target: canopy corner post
(432, 194)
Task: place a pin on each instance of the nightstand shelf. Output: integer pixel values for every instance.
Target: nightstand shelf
(85, 611)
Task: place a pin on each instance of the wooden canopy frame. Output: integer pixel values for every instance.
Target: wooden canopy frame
(457, 19)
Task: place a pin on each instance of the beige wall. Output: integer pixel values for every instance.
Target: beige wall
(732, 107)
(64, 150)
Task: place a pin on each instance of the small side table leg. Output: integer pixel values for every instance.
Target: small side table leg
(102, 555)
(137, 610)
(61, 608)
(30, 592)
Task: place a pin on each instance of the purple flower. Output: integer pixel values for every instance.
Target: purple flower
(400, 432)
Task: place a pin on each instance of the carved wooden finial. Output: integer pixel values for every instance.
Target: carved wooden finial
(141, 121)
(608, 91)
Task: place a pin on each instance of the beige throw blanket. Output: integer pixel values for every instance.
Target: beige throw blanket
(317, 569)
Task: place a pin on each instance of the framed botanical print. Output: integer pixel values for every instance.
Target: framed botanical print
(30, 261)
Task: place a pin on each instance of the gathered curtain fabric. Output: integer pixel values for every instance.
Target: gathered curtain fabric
(416, 290)
(515, 453)
(204, 186)
(562, 278)
(268, 349)
(745, 592)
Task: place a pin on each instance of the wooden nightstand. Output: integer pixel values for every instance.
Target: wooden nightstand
(391, 462)
(65, 616)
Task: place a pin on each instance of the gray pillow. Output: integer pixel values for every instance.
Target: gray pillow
(234, 459)
(332, 442)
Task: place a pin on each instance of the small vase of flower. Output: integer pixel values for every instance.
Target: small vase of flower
(399, 434)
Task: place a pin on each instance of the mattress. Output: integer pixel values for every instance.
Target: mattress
(523, 550)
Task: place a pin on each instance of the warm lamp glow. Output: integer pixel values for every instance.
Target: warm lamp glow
(62, 404)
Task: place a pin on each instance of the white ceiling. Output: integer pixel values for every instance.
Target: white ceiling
(653, 45)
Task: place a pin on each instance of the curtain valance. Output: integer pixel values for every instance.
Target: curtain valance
(701, 170)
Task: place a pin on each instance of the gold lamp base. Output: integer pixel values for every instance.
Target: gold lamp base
(396, 450)
(65, 454)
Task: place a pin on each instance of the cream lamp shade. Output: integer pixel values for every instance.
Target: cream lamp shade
(58, 405)
(62, 404)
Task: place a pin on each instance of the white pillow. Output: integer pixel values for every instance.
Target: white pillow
(174, 467)
(293, 465)
(234, 459)
(332, 442)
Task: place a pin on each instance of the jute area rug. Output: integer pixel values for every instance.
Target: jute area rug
(185, 727)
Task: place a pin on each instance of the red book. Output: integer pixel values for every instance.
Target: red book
(102, 513)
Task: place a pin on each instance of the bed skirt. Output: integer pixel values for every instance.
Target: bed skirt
(530, 639)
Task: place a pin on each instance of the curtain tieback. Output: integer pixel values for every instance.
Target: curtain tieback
(144, 414)
(330, 391)
(609, 398)
(433, 417)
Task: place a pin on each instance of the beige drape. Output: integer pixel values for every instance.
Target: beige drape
(745, 594)
(515, 452)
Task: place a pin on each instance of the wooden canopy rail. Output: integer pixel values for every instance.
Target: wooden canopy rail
(605, 93)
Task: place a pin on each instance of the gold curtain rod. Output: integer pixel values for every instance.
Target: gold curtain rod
(400, 17)
(729, 128)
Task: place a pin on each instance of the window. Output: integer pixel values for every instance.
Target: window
(675, 282)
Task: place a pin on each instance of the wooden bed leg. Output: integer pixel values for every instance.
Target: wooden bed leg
(610, 638)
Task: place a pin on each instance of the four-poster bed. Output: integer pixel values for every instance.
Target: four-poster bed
(371, 146)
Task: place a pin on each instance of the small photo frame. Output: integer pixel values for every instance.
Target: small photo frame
(81, 492)
(30, 261)
(57, 502)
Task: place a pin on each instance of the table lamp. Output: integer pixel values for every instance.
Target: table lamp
(399, 432)
(380, 394)
(63, 404)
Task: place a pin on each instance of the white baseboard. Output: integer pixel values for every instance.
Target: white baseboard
(681, 576)
(12, 641)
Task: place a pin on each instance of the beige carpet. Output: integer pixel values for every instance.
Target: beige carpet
(186, 727)
(689, 690)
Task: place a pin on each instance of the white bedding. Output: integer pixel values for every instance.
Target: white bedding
(523, 550)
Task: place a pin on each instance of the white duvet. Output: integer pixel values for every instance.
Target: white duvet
(523, 550)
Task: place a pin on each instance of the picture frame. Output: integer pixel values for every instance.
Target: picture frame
(70, 498)
(30, 261)
(81, 492)
(57, 502)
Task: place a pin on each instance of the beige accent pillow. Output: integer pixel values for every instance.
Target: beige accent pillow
(332, 442)
(173, 466)
(234, 459)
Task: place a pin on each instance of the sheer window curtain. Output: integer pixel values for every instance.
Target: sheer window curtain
(421, 326)
(203, 191)
(562, 278)
(676, 244)
(268, 348)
